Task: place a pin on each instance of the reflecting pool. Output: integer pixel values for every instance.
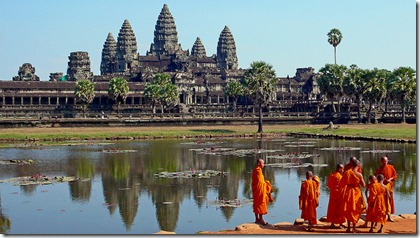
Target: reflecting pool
(123, 187)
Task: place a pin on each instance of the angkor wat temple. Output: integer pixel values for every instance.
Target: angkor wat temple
(200, 79)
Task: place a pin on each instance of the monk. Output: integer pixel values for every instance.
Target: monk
(308, 199)
(378, 201)
(261, 190)
(390, 175)
(372, 181)
(350, 166)
(353, 204)
(334, 204)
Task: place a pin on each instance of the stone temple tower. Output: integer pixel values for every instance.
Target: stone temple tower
(165, 41)
(79, 66)
(226, 51)
(198, 49)
(109, 54)
(127, 56)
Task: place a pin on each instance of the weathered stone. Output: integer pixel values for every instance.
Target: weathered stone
(127, 56)
(198, 48)
(26, 73)
(109, 54)
(226, 51)
(79, 66)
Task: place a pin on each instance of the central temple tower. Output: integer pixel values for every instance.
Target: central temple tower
(165, 41)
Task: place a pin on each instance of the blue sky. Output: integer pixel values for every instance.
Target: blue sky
(288, 34)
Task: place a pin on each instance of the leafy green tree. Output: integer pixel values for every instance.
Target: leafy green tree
(118, 89)
(353, 86)
(161, 91)
(374, 88)
(334, 38)
(234, 89)
(260, 81)
(84, 93)
(330, 82)
(404, 85)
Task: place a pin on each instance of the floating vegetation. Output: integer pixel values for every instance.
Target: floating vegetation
(15, 161)
(202, 142)
(232, 151)
(300, 145)
(191, 174)
(341, 148)
(300, 142)
(379, 151)
(291, 156)
(229, 203)
(295, 165)
(37, 180)
(114, 151)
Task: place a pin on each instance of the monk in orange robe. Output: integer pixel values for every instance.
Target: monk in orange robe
(349, 165)
(372, 180)
(334, 204)
(390, 175)
(261, 190)
(308, 199)
(378, 201)
(353, 204)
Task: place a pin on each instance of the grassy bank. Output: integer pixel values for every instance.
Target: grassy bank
(389, 131)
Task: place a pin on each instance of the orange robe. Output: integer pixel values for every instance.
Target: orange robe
(350, 166)
(260, 191)
(308, 200)
(353, 203)
(388, 171)
(334, 204)
(378, 203)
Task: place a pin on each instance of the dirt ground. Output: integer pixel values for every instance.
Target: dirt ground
(404, 224)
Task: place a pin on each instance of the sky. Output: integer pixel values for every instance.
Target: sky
(288, 34)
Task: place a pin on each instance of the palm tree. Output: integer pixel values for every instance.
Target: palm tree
(330, 81)
(234, 89)
(334, 38)
(260, 81)
(118, 89)
(404, 86)
(374, 88)
(161, 90)
(353, 86)
(84, 92)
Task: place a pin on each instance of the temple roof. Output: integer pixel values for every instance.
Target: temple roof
(226, 50)
(127, 43)
(198, 48)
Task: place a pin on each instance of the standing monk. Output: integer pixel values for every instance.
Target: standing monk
(349, 165)
(334, 204)
(353, 204)
(378, 203)
(260, 192)
(308, 199)
(390, 175)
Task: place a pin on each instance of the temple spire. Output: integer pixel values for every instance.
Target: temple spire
(109, 53)
(198, 48)
(165, 36)
(226, 50)
(126, 48)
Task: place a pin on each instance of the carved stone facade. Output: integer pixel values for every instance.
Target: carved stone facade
(26, 73)
(79, 66)
(200, 79)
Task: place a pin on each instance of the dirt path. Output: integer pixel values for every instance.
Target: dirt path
(404, 224)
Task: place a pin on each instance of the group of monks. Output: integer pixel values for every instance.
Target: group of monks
(346, 202)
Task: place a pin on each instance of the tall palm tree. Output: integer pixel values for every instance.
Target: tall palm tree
(334, 38)
(84, 92)
(404, 85)
(353, 86)
(260, 81)
(118, 89)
